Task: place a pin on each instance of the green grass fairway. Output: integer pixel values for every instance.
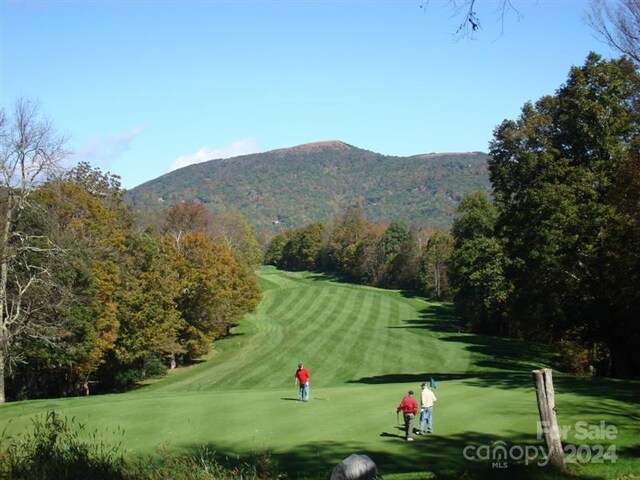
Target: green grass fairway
(365, 348)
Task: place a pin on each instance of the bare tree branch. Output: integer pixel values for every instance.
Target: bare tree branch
(469, 23)
(30, 151)
(617, 24)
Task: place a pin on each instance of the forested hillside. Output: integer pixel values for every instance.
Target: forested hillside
(292, 187)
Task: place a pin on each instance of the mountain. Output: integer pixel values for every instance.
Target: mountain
(291, 187)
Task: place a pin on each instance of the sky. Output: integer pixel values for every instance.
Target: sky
(142, 87)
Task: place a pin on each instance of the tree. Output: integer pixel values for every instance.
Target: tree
(216, 290)
(618, 24)
(477, 266)
(344, 235)
(434, 269)
(369, 266)
(394, 237)
(30, 149)
(399, 257)
(275, 250)
(236, 231)
(561, 176)
(184, 218)
(81, 212)
(92, 230)
(302, 249)
(95, 182)
(148, 318)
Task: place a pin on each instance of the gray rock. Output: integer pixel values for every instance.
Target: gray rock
(355, 467)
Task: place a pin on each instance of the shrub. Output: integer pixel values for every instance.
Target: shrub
(59, 448)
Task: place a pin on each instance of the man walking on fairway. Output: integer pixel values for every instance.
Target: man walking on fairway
(427, 399)
(409, 408)
(302, 381)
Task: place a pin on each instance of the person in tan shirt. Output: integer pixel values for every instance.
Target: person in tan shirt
(427, 399)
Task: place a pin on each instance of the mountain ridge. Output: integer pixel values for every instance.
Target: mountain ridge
(293, 186)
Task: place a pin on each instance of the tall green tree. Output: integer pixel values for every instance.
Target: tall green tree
(275, 250)
(477, 266)
(93, 235)
(148, 317)
(399, 257)
(302, 249)
(555, 173)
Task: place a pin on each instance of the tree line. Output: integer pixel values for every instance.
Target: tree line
(553, 255)
(89, 298)
(388, 256)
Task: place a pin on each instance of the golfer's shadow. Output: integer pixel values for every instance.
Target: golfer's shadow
(399, 428)
(289, 399)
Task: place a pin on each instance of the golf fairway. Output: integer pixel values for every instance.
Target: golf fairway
(364, 348)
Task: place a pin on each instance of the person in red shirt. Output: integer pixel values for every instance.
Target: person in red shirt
(302, 381)
(409, 407)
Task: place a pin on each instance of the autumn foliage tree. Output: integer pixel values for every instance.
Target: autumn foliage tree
(128, 302)
(216, 290)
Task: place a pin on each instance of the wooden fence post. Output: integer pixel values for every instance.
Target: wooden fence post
(548, 421)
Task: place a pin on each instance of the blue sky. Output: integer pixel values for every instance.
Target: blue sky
(143, 87)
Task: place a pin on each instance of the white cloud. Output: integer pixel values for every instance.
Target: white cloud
(235, 149)
(103, 151)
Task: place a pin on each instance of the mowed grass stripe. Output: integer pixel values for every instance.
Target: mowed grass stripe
(254, 366)
(269, 356)
(377, 337)
(359, 366)
(335, 349)
(275, 362)
(329, 321)
(229, 370)
(377, 356)
(354, 343)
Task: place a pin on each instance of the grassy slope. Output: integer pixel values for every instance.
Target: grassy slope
(364, 347)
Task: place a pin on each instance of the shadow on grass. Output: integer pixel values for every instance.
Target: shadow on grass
(498, 353)
(319, 276)
(632, 451)
(505, 352)
(437, 317)
(411, 378)
(458, 456)
(627, 392)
